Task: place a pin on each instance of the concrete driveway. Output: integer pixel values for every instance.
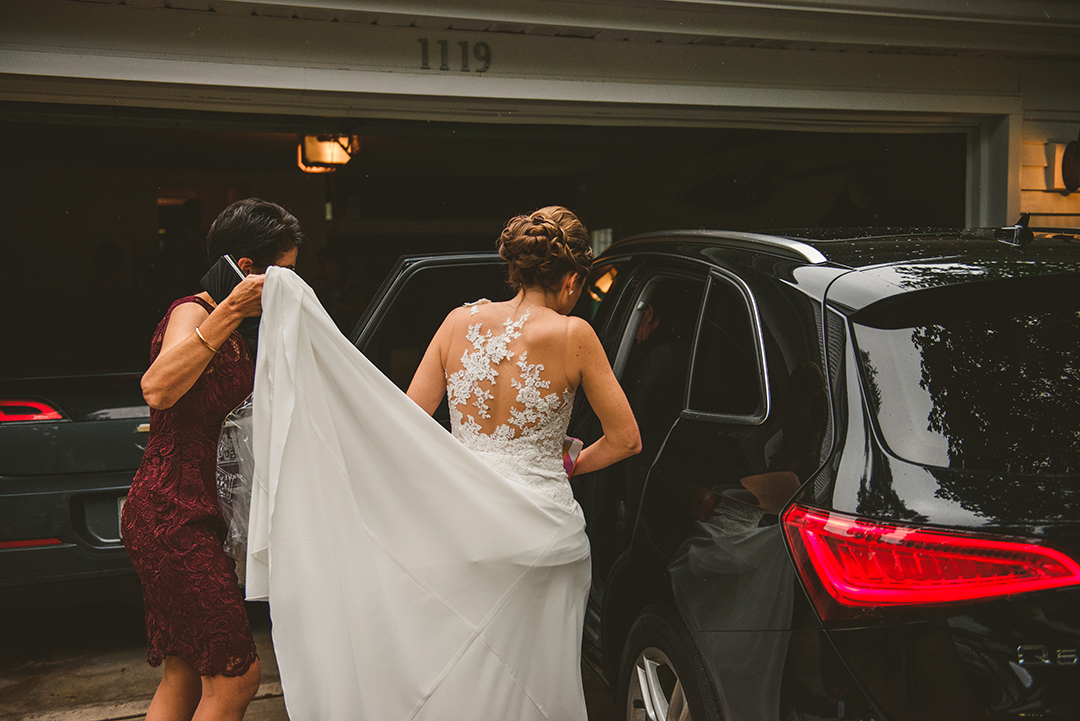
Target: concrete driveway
(88, 663)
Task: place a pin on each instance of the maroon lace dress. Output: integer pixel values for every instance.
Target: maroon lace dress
(174, 530)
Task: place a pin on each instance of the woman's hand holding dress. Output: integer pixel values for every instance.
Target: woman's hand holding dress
(184, 355)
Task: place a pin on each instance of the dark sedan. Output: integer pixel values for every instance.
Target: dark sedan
(70, 446)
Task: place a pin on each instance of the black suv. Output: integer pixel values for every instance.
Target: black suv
(857, 496)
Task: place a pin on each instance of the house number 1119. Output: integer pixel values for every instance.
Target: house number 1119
(480, 52)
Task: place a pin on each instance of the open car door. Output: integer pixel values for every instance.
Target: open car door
(402, 318)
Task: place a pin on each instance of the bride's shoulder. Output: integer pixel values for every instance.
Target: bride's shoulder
(577, 324)
(565, 327)
(466, 310)
(580, 335)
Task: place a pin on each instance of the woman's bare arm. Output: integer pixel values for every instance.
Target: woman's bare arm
(183, 355)
(621, 438)
(428, 386)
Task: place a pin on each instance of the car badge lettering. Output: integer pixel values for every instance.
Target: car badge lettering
(1039, 655)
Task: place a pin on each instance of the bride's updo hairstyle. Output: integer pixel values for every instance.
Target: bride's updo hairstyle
(542, 247)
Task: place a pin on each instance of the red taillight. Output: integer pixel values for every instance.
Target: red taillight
(854, 565)
(30, 543)
(21, 409)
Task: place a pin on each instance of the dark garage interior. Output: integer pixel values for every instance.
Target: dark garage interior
(106, 214)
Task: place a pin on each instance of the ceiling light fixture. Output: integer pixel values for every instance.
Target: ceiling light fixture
(325, 153)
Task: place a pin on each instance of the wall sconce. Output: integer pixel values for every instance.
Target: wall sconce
(325, 153)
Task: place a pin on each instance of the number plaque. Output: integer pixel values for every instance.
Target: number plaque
(481, 52)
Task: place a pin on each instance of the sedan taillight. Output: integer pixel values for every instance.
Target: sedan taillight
(13, 410)
(855, 567)
(30, 543)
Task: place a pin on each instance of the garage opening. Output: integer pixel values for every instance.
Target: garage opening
(107, 214)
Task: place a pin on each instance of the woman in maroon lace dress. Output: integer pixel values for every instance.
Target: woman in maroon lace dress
(201, 369)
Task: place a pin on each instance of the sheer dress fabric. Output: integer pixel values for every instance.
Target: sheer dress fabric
(173, 528)
(527, 447)
(407, 577)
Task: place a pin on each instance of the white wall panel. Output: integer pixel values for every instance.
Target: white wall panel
(354, 59)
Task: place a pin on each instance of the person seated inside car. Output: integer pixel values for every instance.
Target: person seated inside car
(655, 375)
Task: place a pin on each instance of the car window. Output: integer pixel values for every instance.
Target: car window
(654, 357)
(419, 303)
(601, 285)
(978, 376)
(646, 322)
(727, 378)
(58, 330)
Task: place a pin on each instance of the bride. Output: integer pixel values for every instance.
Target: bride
(413, 574)
(510, 370)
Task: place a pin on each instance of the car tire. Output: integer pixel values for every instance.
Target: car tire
(662, 675)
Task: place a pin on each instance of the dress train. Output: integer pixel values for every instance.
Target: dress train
(406, 578)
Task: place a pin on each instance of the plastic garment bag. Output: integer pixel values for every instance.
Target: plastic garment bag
(406, 579)
(235, 469)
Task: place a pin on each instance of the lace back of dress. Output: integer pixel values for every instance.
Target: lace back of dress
(503, 408)
(491, 359)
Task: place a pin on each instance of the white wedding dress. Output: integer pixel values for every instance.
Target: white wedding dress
(411, 574)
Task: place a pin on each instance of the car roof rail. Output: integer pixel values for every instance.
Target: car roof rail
(787, 247)
(1022, 234)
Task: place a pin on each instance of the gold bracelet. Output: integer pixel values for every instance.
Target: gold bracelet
(199, 333)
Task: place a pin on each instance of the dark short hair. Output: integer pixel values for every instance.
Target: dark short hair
(256, 229)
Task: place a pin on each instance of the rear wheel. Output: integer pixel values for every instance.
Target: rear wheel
(663, 677)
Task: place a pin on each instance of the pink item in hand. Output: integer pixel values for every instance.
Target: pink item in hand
(570, 450)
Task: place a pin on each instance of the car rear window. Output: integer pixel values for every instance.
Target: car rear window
(982, 376)
(92, 331)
